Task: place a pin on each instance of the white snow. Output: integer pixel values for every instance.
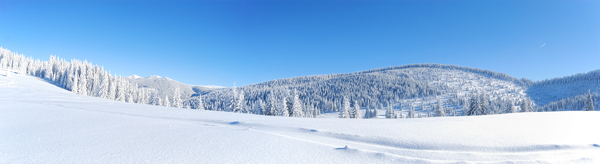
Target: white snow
(42, 123)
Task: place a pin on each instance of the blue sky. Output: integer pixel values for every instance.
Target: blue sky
(218, 43)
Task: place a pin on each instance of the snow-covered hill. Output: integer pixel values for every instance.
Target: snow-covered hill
(166, 86)
(43, 123)
(418, 85)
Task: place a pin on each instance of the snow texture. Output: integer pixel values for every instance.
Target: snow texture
(43, 123)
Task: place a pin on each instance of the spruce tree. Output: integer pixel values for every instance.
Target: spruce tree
(356, 111)
(297, 106)
(439, 111)
(368, 112)
(589, 102)
(509, 107)
(389, 113)
(411, 112)
(284, 108)
(345, 112)
(177, 98)
(166, 101)
(473, 105)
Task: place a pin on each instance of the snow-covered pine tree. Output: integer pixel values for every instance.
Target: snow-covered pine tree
(439, 111)
(177, 98)
(345, 112)
(200, 105)
(589, 102)
(356, 111)
(83, 83)
(368, 112)
(284, 108)
(483, 104)
(233, 104)
(297, 106)
(473, 105)
(103, 89)
(166, 101)
(272, 106)
(411, 112)
(389, 113)
(120, 91)
(526, 105)
(374, 113)
(509, 107)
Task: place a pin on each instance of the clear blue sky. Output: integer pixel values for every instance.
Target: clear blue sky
(217, 43)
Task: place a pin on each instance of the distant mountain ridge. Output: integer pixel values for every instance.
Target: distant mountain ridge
(166, 86)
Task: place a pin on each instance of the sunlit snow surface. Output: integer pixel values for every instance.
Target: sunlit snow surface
(42, 123)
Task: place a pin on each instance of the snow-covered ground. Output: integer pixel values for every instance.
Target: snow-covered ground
(43, 123)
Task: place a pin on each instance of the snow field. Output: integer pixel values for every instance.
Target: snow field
(43, 123)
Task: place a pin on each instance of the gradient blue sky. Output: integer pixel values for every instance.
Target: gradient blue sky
(217, 43)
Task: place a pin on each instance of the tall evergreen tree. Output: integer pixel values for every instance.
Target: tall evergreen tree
(284, 108)
(390, 113)
(297, 106)
(509, 107)
(589, 102)
(166, 101)
(345, 112)
(439, 111)
(356, 111)
(177, 98)
(473, 105)
(411, 112)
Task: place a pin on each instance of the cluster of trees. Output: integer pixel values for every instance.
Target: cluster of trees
(556, 89)
(84, 78)
(585, 102)
(318, 94)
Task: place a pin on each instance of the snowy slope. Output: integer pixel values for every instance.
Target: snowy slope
(419, 85)
(42, 123)
(555, 89)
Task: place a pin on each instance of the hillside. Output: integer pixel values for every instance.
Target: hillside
(43, 123)
(555, 89)
(418, 85)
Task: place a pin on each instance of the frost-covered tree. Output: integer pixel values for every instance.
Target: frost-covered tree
(166, 101)
(200, 104)
(177, 98)
(439, 111)
(103, 88)
(345, 112)
(509, 107)
(368, 112)
(484, 104)
(356, 111)
(526, 105)
(284, 110)
(271, 108)
(589, 102)
(390, 113)
(411, 112)
(474, 107)
(297, 106)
